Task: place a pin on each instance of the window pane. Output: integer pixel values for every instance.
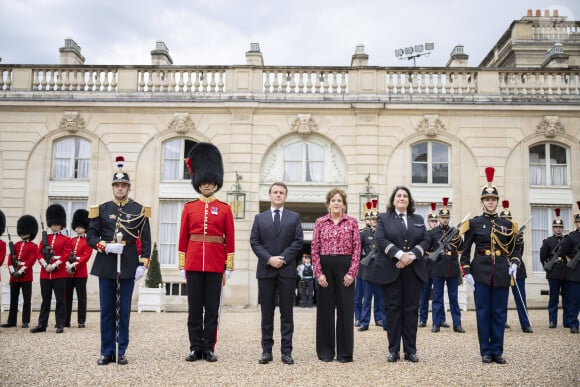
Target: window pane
(558, 165)
(169, 222)
(440, 173)
(440, 153)
(82, 158)
(314, 163)
(292, 171)
(188, 145)
(63, 153)
(542, 218)
(538, 165)
(419, 173)
(293, 152)
(172, 160)
(419, 152)
(557, 154)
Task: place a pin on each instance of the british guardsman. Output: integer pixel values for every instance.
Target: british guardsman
(555, 271)
(2, 243)
(570, 251)
(76, 267)
(206, 250)
(20, 267)
(52, 273)
(445, 269)
(370, 289)
(489, 272)
(128, 217)
(519, 291)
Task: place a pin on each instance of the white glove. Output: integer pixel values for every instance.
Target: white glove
(140, 272)
(228, 274)
(49, 268)
(182, 273)
(513, 270)
(114, 248)
(470, 281)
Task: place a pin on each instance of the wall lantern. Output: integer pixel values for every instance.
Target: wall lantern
(367, 196)
(237, 199)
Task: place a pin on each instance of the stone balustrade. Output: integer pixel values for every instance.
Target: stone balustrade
(556, 31)
(249, 82)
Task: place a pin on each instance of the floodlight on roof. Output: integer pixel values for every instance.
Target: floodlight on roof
(408, 50)
(429, 46)
(399, 52)
(419, 48)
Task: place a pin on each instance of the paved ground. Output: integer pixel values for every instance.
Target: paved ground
(159, 345)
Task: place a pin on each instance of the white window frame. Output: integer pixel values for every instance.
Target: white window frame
(305, 163)
(548, 164)
(72, 159)
(168, 244)
(541, 228)
(182, 158)
(429, 163)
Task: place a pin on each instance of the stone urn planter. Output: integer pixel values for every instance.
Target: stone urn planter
(151, 299)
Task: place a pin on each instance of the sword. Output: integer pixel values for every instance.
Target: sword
(118, 301)
(522, 300)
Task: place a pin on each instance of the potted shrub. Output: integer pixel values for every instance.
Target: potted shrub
(152, 295)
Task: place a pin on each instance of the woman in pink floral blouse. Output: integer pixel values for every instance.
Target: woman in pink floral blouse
(335, 254)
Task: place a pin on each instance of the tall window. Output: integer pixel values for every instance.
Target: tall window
(174, 153)
(304, 162)
(70, 206)
(542, 218)
(71, 159)
(548, 165)
(169, 223)
(430, 163)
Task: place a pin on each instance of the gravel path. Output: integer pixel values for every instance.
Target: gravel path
(159, 345)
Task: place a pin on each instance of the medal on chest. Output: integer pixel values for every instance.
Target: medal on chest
(214, 210)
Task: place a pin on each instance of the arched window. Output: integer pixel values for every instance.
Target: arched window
(174, 153)
(303, 162)
(548, 165)
(71, 158)
(430, 163)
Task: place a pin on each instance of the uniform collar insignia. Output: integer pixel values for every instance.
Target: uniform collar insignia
(121, 203)
(207, 200)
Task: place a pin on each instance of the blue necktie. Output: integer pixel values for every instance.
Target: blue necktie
(276, 220)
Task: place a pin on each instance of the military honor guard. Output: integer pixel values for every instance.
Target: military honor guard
(20, 263)
(53, 251)
(445, 270)
(76, 267)
(519, 285)
(570, 251)
(555, 267)
(2, 243)
(206, 250)
(114, 228)
(490, 270)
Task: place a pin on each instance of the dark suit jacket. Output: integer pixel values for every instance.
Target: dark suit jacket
(392, 236)
(287, 242)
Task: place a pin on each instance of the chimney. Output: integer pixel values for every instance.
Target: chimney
(160, 56)
(538, 13)
(359, 58)
(254, 56)
(71, 53)
(529, 12)
(457, 58)
(546, 12)
(556, 13)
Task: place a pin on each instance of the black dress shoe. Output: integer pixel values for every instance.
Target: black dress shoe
(507, 326)
(379, 323)
(574, 330)
(122, 360)
(59, 329)
(422, 324)
(552, 325)
(347, 359)
(356, 323)
(486, 359)
(325, 359)
(527, 330)
(210, 356)
(411, 357)
(6, 325)
(24, 325)
(444, 325)
(287, 358)
(38, 328)
(194, 356)
(67, 325)
(458, 329)
(265, 358)
(81, 325)
(393, 357)
(104, 360)
(435, 329)
(363, 328)
(498, 359)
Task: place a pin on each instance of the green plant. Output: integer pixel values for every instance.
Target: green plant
(153, 278)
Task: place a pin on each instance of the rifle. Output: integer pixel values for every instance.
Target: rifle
(47, 251)
(521, 230)
(72, 259)
(555, 253)
(572, 264)
(14, 271)
(447, 237)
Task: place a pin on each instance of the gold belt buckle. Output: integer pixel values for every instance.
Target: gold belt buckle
(487, 252)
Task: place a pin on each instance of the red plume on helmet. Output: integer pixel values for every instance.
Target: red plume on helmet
(505, 203)
(369, 205)
(120, 176)
(433, 214)
(558, 222)
(489, 191)
(445, 202)
(444, 212)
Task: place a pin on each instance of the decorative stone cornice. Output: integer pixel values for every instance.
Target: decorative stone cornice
(182, 123)
(431, 125)
(550, 127)
(72, 122)
(304, 124)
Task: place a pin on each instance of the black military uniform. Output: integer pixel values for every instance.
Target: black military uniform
(106, 220)
(571, 251)
(428, 286)
(556, 275)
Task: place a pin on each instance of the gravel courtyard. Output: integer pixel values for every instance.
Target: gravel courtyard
(159, 345)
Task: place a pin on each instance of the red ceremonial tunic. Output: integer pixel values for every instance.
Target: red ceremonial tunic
(83, 253)
(206, 238)
(2, 252)
(26, 253)
(61, 245)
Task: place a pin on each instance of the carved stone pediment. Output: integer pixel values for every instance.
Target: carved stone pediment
(72, 122)
(304, 124)
(550, 127)
(431, 125)
(182, 123)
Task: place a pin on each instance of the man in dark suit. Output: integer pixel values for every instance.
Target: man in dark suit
(276, 239)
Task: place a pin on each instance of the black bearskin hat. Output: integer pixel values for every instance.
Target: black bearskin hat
(27, 225)
(205, 164)
(80, 218)
(2, 222)
(56, 214)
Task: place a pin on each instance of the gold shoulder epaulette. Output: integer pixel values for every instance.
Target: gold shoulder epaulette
(146, 211)
(192, 201)
(93, 212)
(516, 227)
(464, 227)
